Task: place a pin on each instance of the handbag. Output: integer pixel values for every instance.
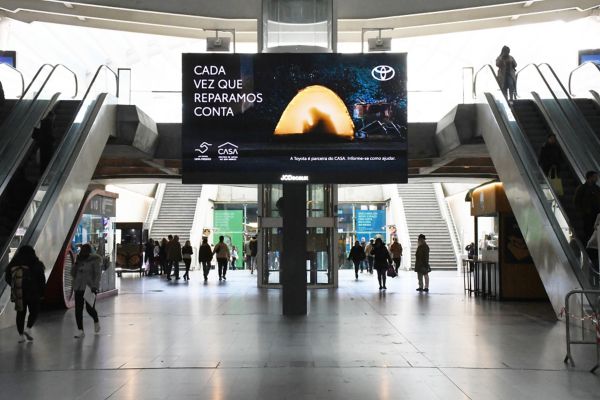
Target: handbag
(391, 271)
(555, 181)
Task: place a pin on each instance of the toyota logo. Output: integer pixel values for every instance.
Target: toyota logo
(383, 73)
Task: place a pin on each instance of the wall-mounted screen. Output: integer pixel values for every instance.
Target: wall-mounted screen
(589, 56)
(8, 57)
(322, 118)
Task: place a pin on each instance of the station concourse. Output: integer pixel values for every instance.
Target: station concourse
(301, 152)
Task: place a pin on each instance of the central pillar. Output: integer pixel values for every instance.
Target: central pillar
(293, 256)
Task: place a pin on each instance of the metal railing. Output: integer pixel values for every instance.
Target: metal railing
(593, 318)
(580, 67)
(10, 67)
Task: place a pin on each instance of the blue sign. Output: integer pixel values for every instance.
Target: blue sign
(370, 223)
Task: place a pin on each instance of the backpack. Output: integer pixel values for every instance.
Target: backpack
(19, 284)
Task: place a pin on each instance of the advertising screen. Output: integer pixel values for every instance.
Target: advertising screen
(320, 118)
(8, 57)
(589, 55)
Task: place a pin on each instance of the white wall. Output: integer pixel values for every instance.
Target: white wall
(362, 194)
(131, 206)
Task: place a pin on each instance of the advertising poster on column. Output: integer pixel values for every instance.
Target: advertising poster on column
(320, 118)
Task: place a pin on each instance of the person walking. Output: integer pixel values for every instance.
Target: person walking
(156, 258)
(364, 263)
(148, 255)
(25, 276)
(169, 263)
(253, 253)
(174, 256)
(381, 261)
(205, 256)
(186, 254)
(422, 267)
(507, 74)
(357, 255)
(163, 256)
(396, 250)
(234, 257)
(86, 273)
(370, 256)
(587, 203)
(221, 250)
(247, 257)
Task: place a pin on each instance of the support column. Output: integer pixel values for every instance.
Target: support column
(293, 257)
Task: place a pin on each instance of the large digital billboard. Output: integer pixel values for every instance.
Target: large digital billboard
(321, 118)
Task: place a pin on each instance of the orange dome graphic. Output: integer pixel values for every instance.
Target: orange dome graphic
(316, 110)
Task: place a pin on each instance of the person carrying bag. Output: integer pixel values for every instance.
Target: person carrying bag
(86, 275)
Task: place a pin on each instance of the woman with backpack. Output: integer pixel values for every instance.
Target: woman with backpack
(86, 273)
(25, 275)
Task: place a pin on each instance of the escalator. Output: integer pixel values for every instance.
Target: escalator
(591, 112)
(42, 214)
(10, 74)
(536, 129)
(514, 134)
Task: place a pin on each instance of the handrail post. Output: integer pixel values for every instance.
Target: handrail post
(568, 330)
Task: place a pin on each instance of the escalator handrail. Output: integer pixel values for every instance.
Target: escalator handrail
(554, 74)
(20, 74)
(577, 69)
(74, 77)
(93, 81)
(485, 66)
(551, 217)
(533, 156)
(537, 68)
(4, 251)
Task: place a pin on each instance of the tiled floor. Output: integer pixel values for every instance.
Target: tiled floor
(229, 341)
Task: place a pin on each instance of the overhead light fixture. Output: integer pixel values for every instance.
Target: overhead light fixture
(514, 17)
(68, 5)
(220, 43)
(79, 17)
(379, 43)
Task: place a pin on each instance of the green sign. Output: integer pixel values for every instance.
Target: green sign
(230, 223)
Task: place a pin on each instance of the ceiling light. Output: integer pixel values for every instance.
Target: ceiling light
(68, 5)
(79, 17)
(514, 17)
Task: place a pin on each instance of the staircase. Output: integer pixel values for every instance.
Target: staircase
(176, 214)
(423, 215)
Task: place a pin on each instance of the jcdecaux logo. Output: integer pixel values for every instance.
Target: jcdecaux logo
(294, 178)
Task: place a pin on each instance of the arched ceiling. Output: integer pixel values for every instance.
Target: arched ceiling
(198, 18)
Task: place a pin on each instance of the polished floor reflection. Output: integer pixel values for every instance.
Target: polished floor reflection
(228, 341)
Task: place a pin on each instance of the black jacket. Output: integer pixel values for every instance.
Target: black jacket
(550, 155)
(382, 257)
(205, 253)
(34, 286)
(357, 253)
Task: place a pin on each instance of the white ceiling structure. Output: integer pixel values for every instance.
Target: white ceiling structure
(199, 18)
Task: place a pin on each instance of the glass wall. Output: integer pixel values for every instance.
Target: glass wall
(237, 222)
(359, 221)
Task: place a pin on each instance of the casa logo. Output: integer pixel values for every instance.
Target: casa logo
(201, 152)
(383, 73)
(294, 178)
(228, 152)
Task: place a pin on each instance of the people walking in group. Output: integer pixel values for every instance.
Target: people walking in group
(186, 254)
(163, 257)
(174, 257)
(86, 273)
(205, 256)
(25, 276)
(381, 261)
(587, 203)
(422, 267)
(234, 257)
(507, 73)
(357, 255)
(221, 250)
(370, 256)
(396, 251)
(253, 253)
